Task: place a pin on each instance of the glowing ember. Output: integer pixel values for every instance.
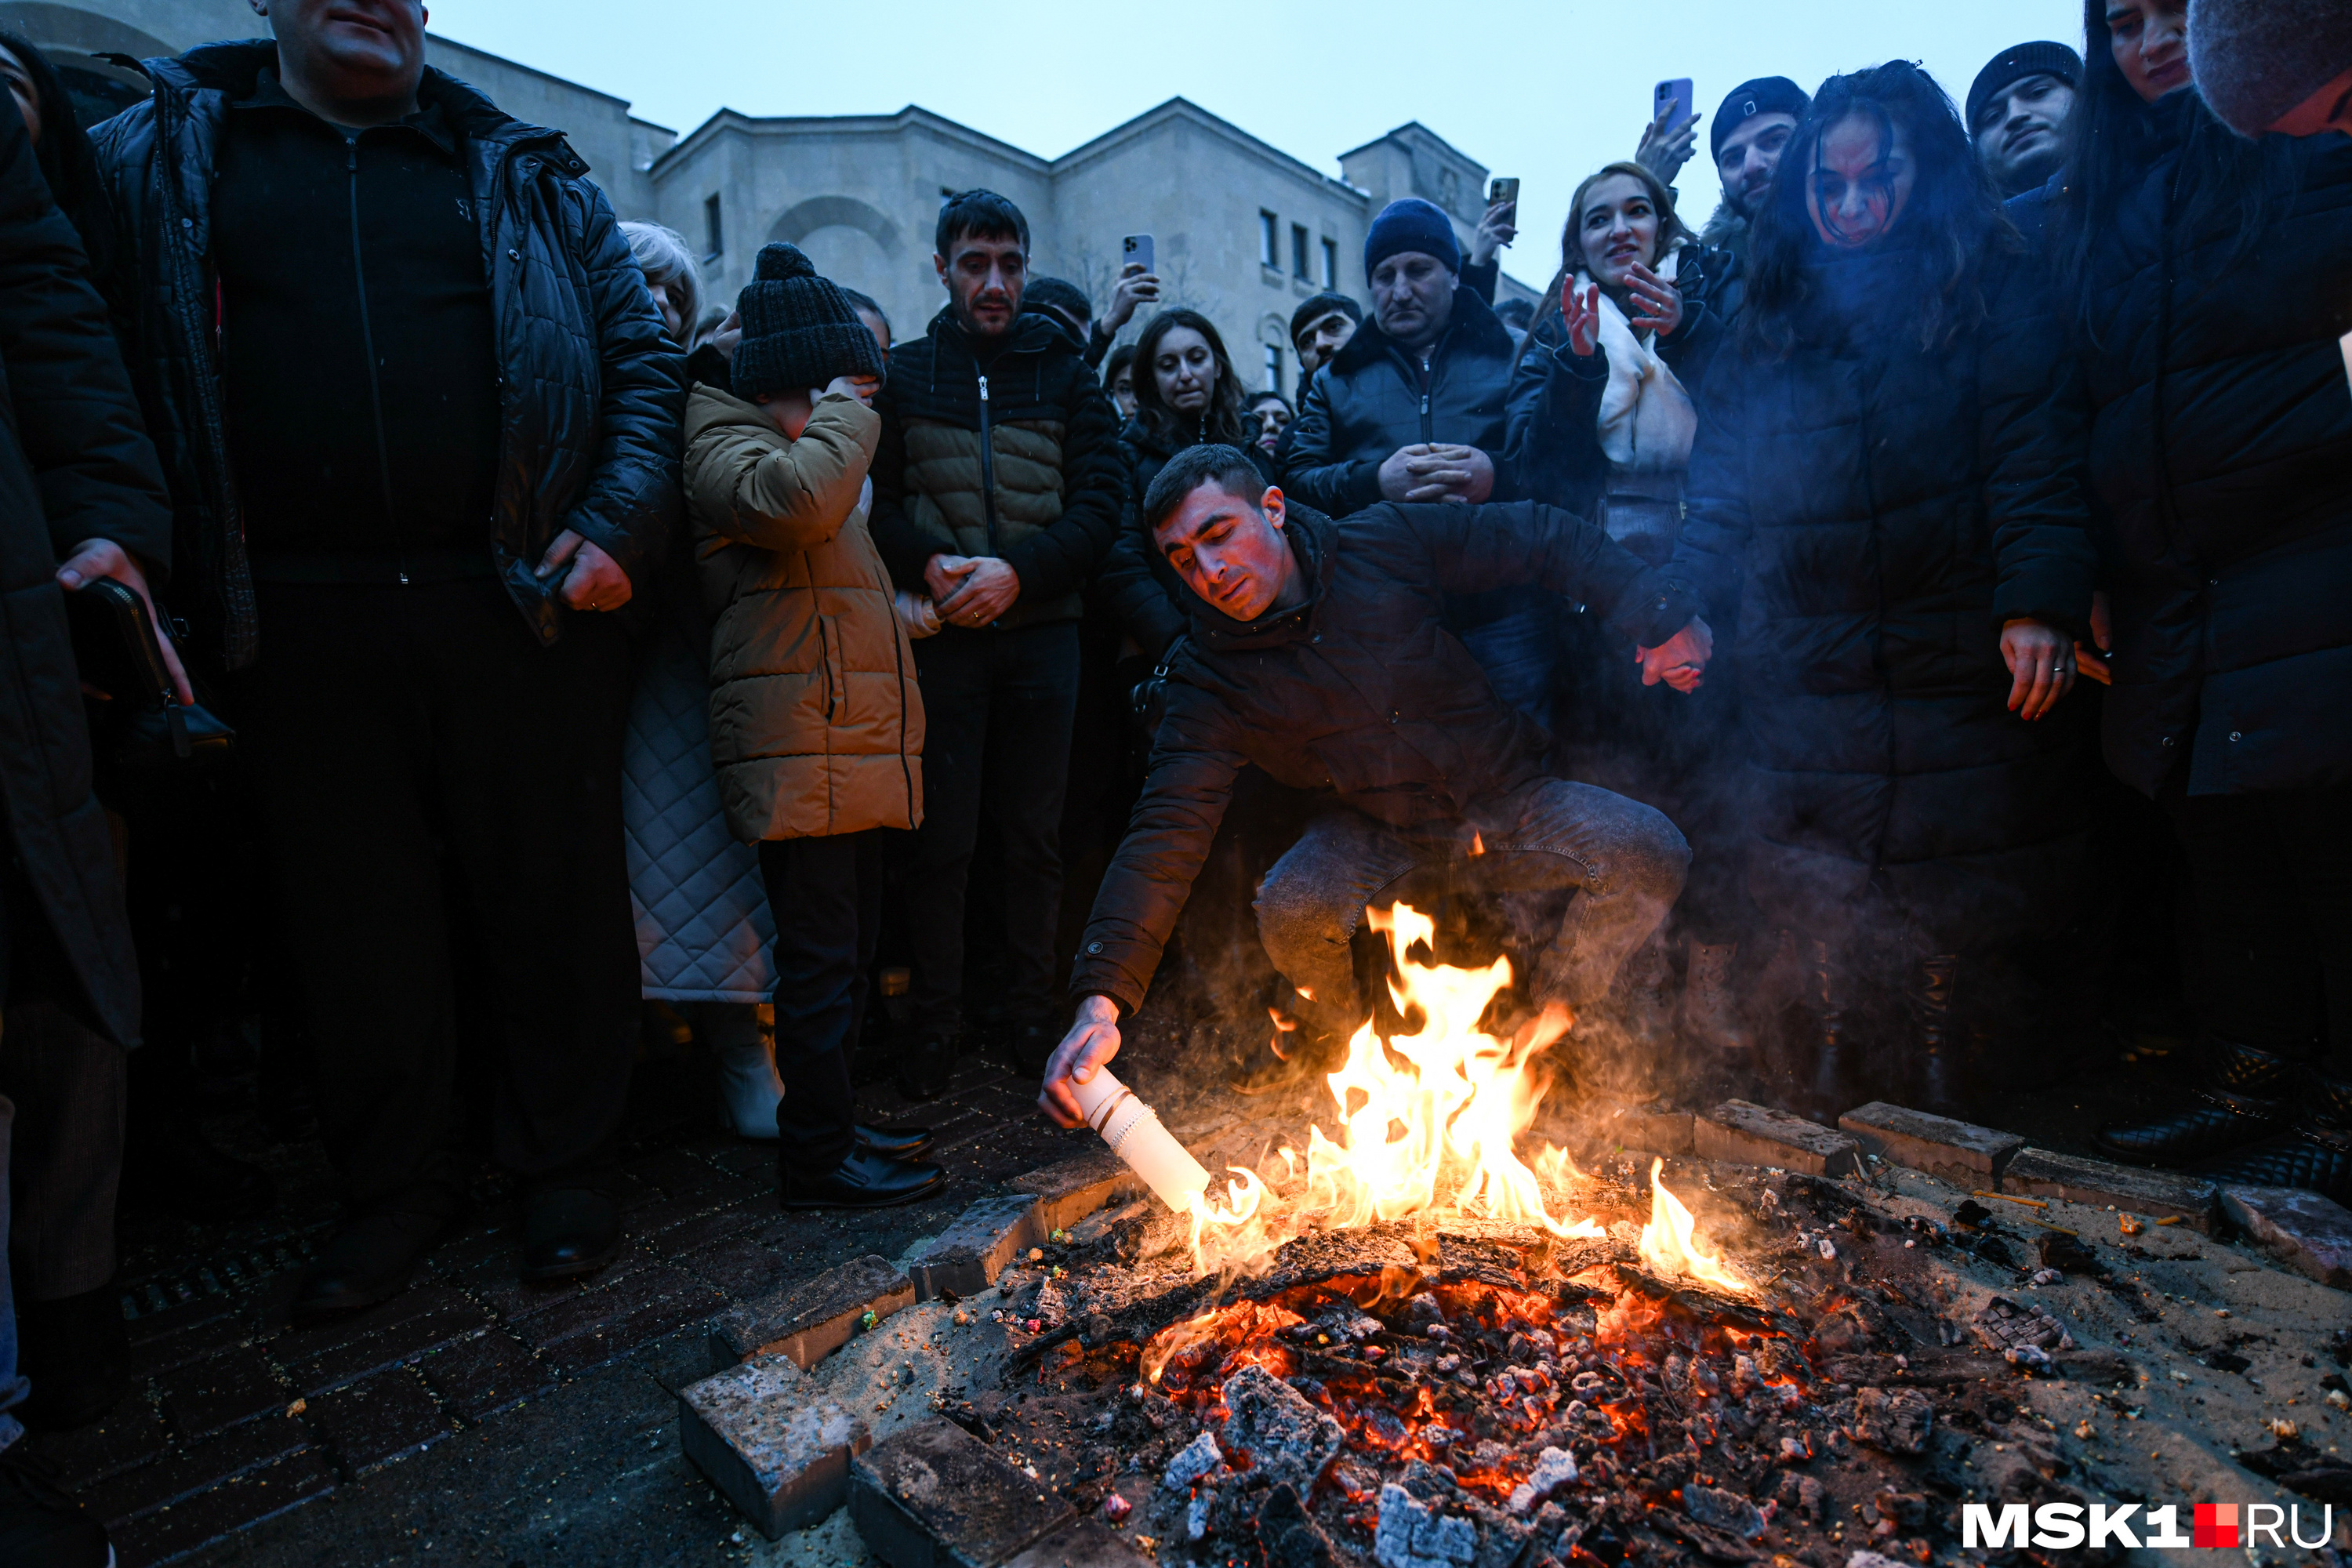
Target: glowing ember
(1433, 1133)
(1670, 1246)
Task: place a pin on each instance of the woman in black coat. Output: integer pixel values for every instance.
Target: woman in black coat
(2207, 272)
(1601, 415)
(1881, 485)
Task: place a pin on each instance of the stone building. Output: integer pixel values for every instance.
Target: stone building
(1242, 231)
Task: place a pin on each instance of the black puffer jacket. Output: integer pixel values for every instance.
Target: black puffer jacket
(1359, 694)
(1370, 401)
(1028, 473)
(593, 395)
(2220, 451)
(1878, 510)
(74, 466)
(1136, 584)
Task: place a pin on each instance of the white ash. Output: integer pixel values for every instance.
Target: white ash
(1413, 1535)
(1555, 1468)
(1197, 1459)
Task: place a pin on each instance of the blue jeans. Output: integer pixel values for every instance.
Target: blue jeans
(1519, 652)
(12, 1387)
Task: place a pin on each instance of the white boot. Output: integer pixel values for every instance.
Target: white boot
(743, 1059)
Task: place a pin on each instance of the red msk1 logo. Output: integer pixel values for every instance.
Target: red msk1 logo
(2216, 1525)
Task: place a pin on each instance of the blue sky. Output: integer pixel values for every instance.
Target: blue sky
(1543, 91)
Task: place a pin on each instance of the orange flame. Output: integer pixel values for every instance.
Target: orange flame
(1670, 1244)
(1433, 1135)
(1477, 842)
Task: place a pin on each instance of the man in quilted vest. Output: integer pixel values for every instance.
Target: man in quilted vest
(997, 487)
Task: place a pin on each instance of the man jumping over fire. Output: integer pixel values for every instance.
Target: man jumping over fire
(1318, 652)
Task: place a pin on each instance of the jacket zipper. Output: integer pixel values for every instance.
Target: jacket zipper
(367, 341)
(987, 468)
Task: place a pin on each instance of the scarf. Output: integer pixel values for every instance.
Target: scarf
(1647, 419)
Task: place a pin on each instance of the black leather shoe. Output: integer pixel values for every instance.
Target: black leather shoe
(75, 1355)
(40, 1525)
(2307, 1155)
(367, 1261)
(864, 1180)
(2248, 1096)
(895, 1142)
(924, 1071)
(569, 1231)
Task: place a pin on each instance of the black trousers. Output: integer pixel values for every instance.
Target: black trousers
(997, 712)
(443, 797)
(2272, 874)
(827, 894)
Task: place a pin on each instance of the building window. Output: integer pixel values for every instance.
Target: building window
(714, 236)
(1269, 247)
(1299, 252)
(1272, 367)
(1330, 264)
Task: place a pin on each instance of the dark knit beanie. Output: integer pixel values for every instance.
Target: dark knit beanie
(1765, 95)
(2256, 59)
(799, 332)
(2014, 64)
(1411, 224)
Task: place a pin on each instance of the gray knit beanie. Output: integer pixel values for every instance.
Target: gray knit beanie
(799, 332)
(2256, 59)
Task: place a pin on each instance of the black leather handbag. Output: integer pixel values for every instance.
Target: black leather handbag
(141, 727)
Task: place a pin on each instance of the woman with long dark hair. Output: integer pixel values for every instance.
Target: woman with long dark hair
(1186, 393)
(1879, 484)
(1602, 413)
(2206, 278)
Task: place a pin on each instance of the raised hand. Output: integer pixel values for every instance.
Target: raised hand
(1660, 301)
(1581, 310)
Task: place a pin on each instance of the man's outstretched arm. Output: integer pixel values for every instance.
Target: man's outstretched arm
(1473, 549)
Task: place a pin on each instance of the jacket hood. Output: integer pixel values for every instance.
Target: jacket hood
(1475, 328)
(234, 70)
(1031, 334)
(1313, 539)
(708, 406)
(1725, 230)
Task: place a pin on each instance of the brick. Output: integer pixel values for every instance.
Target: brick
(810, 1320)
(1089, 1543)
(771, 1442)
(425, 1302)
(677, 1173)
(970, 1253)
(215, 1515)
(231, 1387)
(648, 1323)
(1069, 1190)
(177, 1319)
(1960, 1153)
(170, 1352)
(130, 1434)
(385, 1416)
(1650, 1131)
(703, 1229)
(485, 1374)
(402, 1342)
(933, 1496)
(194, 1468)
(739, 1268)
(593, 1310)
(2039, 1173)
(1750, 1134)
(2309, 1234)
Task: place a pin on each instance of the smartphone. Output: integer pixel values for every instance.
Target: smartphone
(1136, 247)
(1676, 92)
(1503, 188)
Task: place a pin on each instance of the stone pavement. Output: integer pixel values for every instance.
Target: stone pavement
(474, 1419)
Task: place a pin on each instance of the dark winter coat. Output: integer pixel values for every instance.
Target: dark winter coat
(74, 466)
(1878, 510)
(1136, 584)
(2220, 453)
(1359, 695)
(593, 396)
(1017, 458)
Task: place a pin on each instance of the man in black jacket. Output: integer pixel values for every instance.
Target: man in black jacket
(996, 488)
(1319, 653)
(421, 428)
(78, 484)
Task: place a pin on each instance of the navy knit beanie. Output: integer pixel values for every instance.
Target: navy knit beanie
(1765, 95)
(2256, 59)
(799, 332)
(2014, 64)
(1411, 224)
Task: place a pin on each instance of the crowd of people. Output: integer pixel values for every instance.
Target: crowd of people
(1853, 648)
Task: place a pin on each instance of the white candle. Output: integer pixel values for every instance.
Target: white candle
(1134, 1133)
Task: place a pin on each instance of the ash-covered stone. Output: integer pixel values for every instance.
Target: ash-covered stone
(1893, 1421)
(1411, 1535)
(2005, 1326)
(1196, 1515)
(1724, 1510)
(1197, 1459)
(1287, 1438)
(1555, 1468)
